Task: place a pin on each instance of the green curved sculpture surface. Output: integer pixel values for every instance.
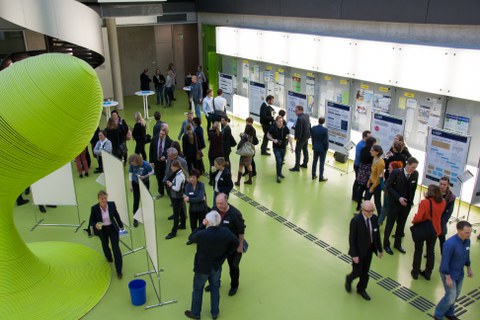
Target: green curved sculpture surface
(50, 106)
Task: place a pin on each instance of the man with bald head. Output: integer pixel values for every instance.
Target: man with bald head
(233, 220)
(364, 239)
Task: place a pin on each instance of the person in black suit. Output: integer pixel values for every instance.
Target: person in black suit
(145, 81)
(214, 244)
(222, 178)
(104, 218)
(266, 120)
(364, 239)
(158, 124)
(228, 140)
(401, 186)
(158, 158)
(320, 147)
(302, 134)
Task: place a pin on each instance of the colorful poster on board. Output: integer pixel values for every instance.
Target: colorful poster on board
(456, 123)
(446, 155)
(269, 80)
(255, 73)
(384, 128)
(310, 92)
(295, 99)
(256, 96)
(296, 83)
(245, 73)
(279, 88)
(338, 122)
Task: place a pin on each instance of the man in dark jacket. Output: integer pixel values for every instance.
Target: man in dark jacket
(214, 244)
(401, 186)
(145, 81)
(302, 134)
(364, 239)
(320, 147)
(266, 120)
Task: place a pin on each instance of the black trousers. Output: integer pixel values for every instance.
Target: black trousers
(234, 265)
(355, 184)
(196, 218)
(360, 270)
(136, 193)
(417, 256)
(140, 149)
(399, 214)
(302, 145)
(265, 129)
(178, 214)
(160, 174)
(109, 232)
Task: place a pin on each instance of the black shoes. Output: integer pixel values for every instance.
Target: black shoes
(451, 317)
(182, 227)
(265, 153)
(279, 180)
(314, 177)
(42, 209)
(22, 202)
(364, 295)
(190, 315)
(388, 250)
(348, 285)
(304, 165)
(189, 242)
(414, 275)
(426, 276)
(399, 248)
(171, 217)
(282, 176)
(119, 275)
(232, 292)
(294, 169)
(323, 179)
(170, 236)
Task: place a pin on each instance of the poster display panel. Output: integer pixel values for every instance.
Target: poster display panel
(115, 184)
(148, 211)
(295, 99)
(225, 82)
(446, 155)
(456, 123)
(338, 121)
(385, 128)
(256, 96)
(57, 188)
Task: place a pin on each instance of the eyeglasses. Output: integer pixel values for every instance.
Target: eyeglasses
(369, 211)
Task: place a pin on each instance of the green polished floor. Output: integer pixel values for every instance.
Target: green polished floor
(295, 268)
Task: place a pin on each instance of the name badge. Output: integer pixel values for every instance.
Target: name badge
(191, 193)
(375, 230)
(414, 181)
(467, 248)
(226, 221)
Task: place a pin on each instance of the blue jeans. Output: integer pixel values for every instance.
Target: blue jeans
(445, 306)
(322, 155)
(279, 155)
(198, 114)
(199, 281)
(159, 91)
(168, 95)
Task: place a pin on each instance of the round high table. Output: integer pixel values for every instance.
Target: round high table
(145, 95)
(106, 106)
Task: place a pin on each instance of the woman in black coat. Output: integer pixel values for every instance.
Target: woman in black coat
(139, 134)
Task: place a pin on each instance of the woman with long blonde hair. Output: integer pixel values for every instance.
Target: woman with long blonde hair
(139, 134)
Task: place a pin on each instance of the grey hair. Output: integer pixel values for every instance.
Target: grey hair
(213, 218)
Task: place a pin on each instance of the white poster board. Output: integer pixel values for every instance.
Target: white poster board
(55, 189)
(256, 96)
(384, 128)
(295, 99)
(446, 155)
(338, 121)
(240, 107)
(115, 184)
(225, 82)
(148, 211)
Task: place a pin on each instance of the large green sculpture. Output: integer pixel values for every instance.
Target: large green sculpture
(50, 106)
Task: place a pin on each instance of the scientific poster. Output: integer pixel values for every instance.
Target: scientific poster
(225, 82)
(310, 92)
(338, 122)
(255, 73)
(256, 96)
(385, 128)
(296, 83)
(446, 155)
(245, 73)
(279, 88)
(456, 123)
(381, 103)
(269, 80)
(295, 99)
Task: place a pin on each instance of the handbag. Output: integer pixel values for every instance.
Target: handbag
(199, 153)
(423, 230)
(148, 138)
(246, 150)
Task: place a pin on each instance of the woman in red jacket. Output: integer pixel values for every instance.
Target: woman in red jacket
(430, 208)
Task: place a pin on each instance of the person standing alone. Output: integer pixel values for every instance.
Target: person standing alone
(266, 120)
(302, 134)
(320, 147)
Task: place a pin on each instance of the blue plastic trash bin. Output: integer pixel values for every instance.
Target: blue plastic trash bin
(138, 292)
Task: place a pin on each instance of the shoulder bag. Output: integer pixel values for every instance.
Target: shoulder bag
(424, 230)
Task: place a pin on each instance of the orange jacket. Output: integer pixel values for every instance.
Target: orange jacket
(423, 213)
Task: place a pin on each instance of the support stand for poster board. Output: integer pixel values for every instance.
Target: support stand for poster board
(467, 175)
(49, 183)
(349, 146)
(156, 286)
